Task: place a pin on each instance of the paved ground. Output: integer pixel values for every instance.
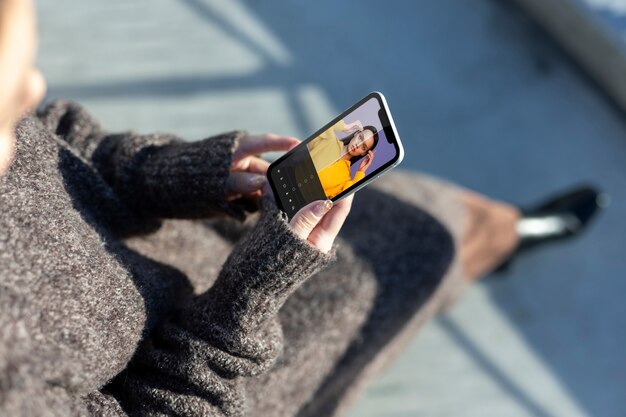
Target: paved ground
(480, 96)
(592, 31)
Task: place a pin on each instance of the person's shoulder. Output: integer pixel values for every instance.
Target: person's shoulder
(36, 149)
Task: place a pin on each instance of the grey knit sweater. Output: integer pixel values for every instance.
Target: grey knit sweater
(75, 301)
(106, 309)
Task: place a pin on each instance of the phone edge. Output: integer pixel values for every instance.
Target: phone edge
(383, 100)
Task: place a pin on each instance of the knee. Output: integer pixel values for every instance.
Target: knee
(403, 244)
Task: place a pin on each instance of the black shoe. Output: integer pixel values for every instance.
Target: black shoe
(561, 217)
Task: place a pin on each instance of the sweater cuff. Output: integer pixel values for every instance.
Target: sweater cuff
(265, 267)
(184, 179)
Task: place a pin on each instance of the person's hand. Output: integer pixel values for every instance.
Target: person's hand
(355, 126)
(366, 162)
(319, 222)
(248, 171)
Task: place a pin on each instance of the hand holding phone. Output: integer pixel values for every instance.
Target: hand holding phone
(319, 222)
(320, 226)
(247, 170)
(338, 159)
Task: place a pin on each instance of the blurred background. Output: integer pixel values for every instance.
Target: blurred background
(512, 99)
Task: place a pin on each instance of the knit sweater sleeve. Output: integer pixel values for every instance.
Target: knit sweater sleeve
(196, 362)
(158, 175)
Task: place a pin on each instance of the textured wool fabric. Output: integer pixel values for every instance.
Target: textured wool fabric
(157, 175)
(108, 309)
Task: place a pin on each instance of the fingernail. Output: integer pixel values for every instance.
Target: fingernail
(323, 207)
(257, 181)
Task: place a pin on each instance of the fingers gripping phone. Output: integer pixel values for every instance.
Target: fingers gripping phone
(351, 151)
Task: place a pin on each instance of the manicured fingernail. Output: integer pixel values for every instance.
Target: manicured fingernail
(257, 181)
(323, 207)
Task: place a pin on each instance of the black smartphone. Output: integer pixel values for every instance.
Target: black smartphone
(348, 153)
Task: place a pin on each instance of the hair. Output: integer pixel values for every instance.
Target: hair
(348, 138)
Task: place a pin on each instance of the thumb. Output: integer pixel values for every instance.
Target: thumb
(309, 216)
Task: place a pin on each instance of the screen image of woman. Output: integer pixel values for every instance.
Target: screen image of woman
(333, 156)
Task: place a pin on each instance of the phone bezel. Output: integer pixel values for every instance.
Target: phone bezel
(391, 128)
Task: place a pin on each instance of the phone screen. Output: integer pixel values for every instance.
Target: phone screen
(356, 146)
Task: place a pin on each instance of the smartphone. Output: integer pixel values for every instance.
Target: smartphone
(351, 151)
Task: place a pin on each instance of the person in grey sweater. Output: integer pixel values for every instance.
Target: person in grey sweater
(144, 275)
